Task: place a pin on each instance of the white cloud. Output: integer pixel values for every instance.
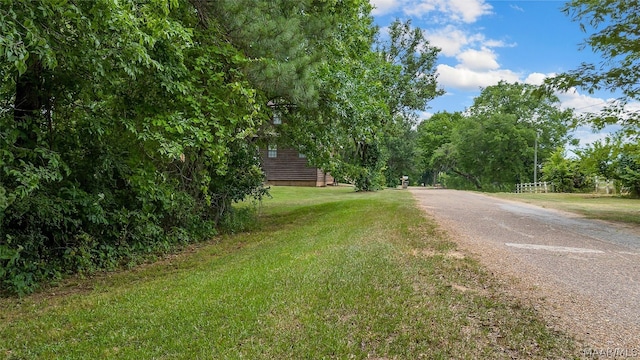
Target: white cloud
(467, 11)
(586, 135)
(483, 59)
(468, 79)
(536, 78)
(496, 43)
(581, 103)
(420, 9)
(516, 8)
(452, 40)
(384, 6)
(449, 39)
(422, 115)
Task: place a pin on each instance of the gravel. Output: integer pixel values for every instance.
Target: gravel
(582, 276)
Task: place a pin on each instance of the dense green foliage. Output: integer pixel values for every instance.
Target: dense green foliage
(492, 145)
(566, 174)
(129, 127)
(124, 131)
(368, 99)
(613, 159)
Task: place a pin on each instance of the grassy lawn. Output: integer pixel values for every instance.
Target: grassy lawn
(329, 273)
(594, 206)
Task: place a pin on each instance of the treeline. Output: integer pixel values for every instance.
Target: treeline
(129, 127)
(613, 158)
(494, 144)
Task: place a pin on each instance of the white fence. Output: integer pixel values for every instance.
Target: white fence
(538, 187)
(601, 186)
(605, 186)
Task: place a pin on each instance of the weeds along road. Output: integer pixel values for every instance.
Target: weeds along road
(582, 275)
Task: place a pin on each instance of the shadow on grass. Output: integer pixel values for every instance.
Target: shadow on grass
(307, 214)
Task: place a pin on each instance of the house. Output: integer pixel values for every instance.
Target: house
(288, 167)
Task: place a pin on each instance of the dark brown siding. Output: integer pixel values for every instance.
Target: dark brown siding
(324, 179)
(288, 168)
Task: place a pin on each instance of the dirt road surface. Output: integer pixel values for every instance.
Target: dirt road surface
(582, 275)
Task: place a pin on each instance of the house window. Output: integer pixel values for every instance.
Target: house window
(272, 151)
(302, 156)
(276, 119)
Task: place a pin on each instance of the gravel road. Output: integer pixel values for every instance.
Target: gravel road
(582, 275)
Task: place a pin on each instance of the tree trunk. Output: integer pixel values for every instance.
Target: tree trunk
(469, 177)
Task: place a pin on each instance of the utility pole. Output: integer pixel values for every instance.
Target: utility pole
(535, 159)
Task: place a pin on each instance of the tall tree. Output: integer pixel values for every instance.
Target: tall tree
(406, 84)
(432, 134)
(539, 113)
(494, 142)
(614, 29)
(530, 108)
(365, 97)
(285, 41)
(414, 82)
(492, 149)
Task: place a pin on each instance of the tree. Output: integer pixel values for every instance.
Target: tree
(126, 130)
(493, 143)
(400, 80)
(598, 157)
(615, 28)
(407, 83)
(401, 148)
(286, 40)
(366, 96)
(530, 108)
(362, 117)
(616, 159)
(432, 134)
(628, 171)
(558, 170)
(491, 149)
(414, 81)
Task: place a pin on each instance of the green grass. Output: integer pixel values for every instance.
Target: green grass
(330, 273)
(593, 206)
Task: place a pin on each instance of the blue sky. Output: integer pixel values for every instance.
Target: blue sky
(485, 41)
